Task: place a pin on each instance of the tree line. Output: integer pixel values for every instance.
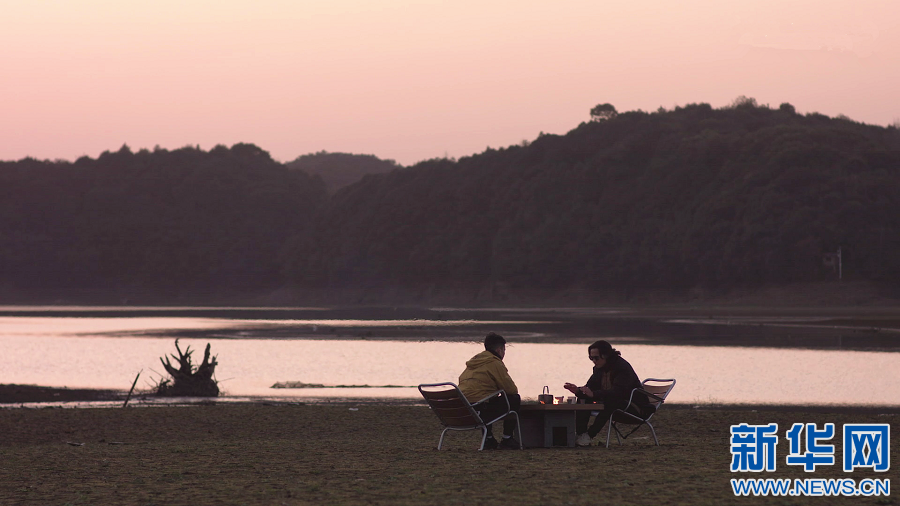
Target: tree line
(151, 223)
(741, 196)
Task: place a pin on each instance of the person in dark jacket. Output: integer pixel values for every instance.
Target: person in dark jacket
(610, 384)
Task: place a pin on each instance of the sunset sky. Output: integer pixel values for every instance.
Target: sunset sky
(410, 80)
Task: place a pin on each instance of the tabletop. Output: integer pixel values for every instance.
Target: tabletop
(561, 407)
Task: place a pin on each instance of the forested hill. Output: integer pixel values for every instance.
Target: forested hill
(631, 203)
(137, 226)
(338, 170)
(695, 197)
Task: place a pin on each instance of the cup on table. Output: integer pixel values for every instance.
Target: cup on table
(559, 400)
(570, 400)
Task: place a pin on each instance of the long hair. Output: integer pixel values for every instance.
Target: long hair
(606, 350)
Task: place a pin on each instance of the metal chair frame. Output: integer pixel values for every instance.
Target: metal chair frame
(657, 394)
(456, 412)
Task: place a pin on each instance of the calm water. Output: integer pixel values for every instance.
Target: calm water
(105, 348)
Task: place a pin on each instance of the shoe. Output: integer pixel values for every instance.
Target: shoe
(583, 439)
(490, 444)
(509, 443)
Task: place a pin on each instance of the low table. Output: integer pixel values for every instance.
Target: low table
(548, 425)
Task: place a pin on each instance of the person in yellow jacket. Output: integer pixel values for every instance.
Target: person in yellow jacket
(485, 374)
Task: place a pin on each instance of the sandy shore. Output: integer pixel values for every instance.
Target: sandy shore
(24, 395)
(290, 455)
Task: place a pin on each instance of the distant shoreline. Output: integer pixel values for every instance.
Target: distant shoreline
(15, 394)
(875, 328)
(848, 295)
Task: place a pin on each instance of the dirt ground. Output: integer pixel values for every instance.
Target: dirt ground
(272, 454)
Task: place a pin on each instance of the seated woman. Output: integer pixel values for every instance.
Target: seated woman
(611, 384)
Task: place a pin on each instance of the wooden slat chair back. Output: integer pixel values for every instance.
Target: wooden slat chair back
(656, 391)
(455, 412)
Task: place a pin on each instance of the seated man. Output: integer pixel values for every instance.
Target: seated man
(612, 383)
(485, 374)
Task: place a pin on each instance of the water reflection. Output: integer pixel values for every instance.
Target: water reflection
(72, 326)
(849, 328)
(249, 367)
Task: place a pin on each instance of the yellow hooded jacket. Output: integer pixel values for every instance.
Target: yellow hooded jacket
(485, 374)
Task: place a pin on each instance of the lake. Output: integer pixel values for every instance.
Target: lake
(772, 359)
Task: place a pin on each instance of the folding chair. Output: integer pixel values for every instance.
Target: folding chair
(656, 391)
(456, 413)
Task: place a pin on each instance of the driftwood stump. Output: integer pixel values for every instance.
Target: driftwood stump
(188, 381)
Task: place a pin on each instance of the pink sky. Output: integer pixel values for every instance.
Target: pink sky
(411, 80)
